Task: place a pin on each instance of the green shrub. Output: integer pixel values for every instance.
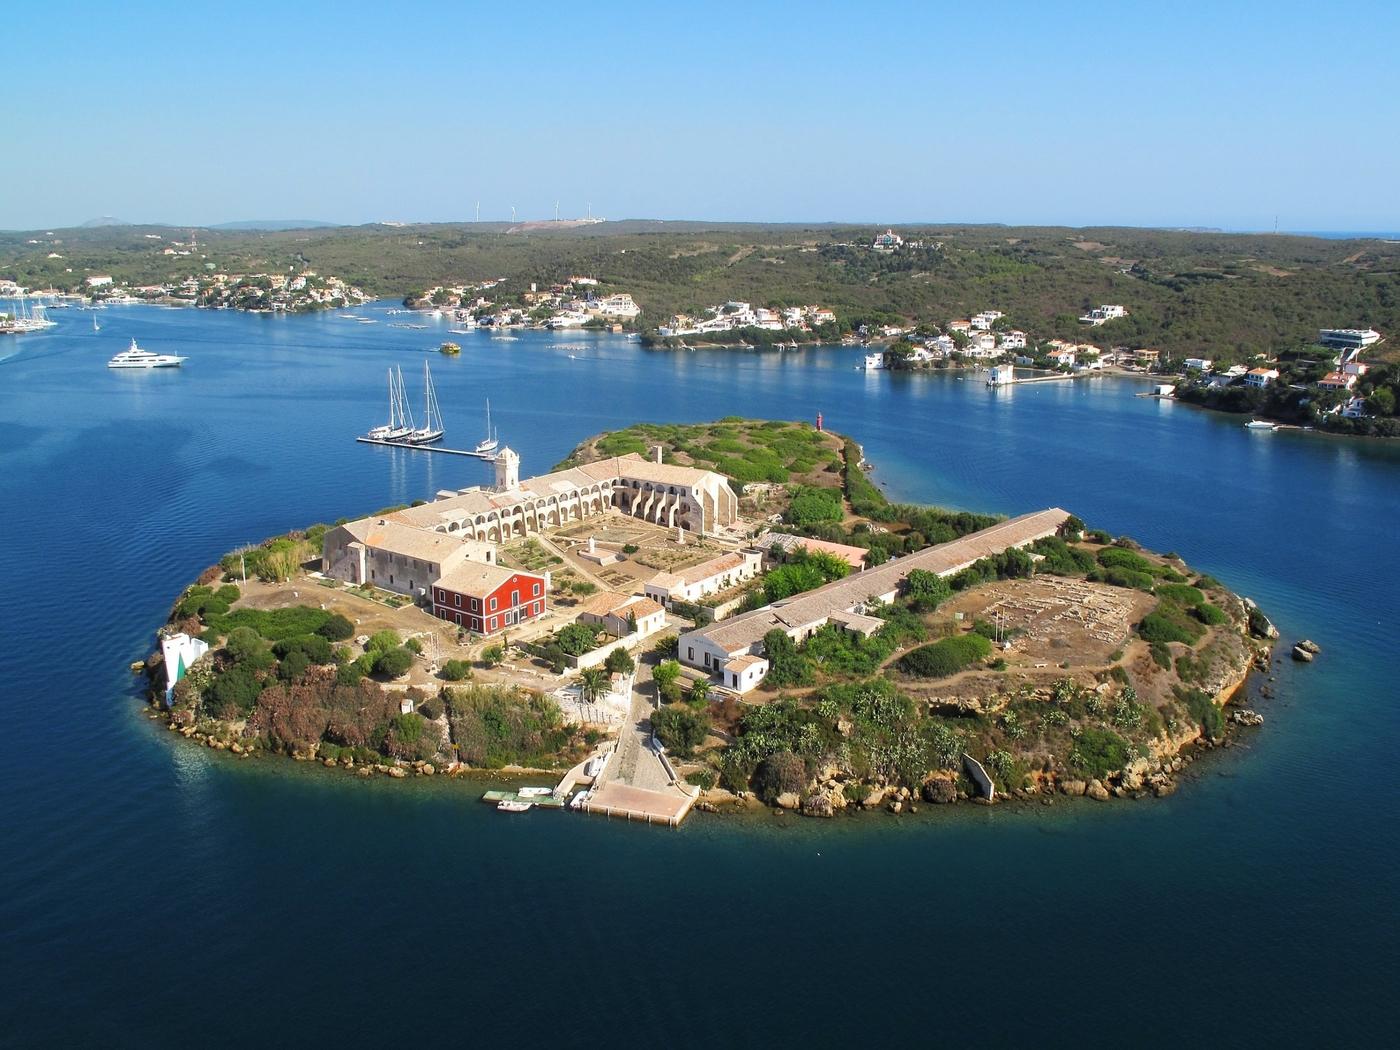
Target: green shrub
(393, 662)
(1161, 655)
(1206, 714)
(243, 643)
(1170, 623)
(1130, 578)
(620, 661)
(414, 646)
(946, 657)
(1119, 558)
(456, 670)
(681, 728)
(430, 708)
(337, 628)
(786, 666)
(1098, 752)
(493, 654)
(1181, 593)
(577, 639)
(293, 666)
(349, 674)
(927, 590)
(1210, 615)
(312, 646)
(811, 506)
(272, 624)
(228, 593)
(779, 774)
(382, 641)
(702, 778)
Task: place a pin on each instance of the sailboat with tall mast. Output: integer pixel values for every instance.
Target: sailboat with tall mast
(431, 430)
(489, 443)
(400, 424)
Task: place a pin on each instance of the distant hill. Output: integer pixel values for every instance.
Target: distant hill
(105, 220)
(272, 224)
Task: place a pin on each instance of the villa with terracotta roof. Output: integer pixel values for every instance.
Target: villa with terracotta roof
(623, 614)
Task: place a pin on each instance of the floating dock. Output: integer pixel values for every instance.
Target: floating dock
(542, 801)
(488, 456)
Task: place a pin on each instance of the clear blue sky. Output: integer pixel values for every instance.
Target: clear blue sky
(1211, 114)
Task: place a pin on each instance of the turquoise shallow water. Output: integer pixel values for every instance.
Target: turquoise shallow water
(154, 894)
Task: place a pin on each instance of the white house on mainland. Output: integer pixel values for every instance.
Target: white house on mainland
(1348, 338)
(1260, 377)
(1101, 314)
(1198, 364)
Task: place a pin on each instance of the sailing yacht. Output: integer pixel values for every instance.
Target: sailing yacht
(400, 423)
(489, 443)
(135, 357)
(431, 430)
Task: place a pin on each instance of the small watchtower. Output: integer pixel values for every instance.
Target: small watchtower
(507, 470)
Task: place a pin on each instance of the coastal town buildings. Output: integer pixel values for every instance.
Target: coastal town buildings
(727, 649)
(738, 314)
(1337, 381)
(1198, 364)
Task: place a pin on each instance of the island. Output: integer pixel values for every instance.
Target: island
(728, 616)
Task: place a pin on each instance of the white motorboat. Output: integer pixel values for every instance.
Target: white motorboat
(507, 805)
(535, 792)
(1260, 424)
(134, 357)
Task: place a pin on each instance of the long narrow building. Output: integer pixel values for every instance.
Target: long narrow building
(730, 648)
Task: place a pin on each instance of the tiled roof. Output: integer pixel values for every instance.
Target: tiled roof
(479, 580)
(840, 596)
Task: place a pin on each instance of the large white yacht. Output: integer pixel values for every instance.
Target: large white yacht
(134, 357)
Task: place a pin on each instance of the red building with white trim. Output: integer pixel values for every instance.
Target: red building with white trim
(488, 599)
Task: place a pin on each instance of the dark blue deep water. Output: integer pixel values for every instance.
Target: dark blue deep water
(153, 893)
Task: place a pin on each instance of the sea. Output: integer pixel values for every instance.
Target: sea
(153, 893)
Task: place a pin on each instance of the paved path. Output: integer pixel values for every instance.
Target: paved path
(636, 763)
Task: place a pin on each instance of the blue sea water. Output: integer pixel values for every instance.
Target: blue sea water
(154, 894)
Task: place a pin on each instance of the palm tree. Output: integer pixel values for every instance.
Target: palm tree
(700, 691)
(593, 683)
